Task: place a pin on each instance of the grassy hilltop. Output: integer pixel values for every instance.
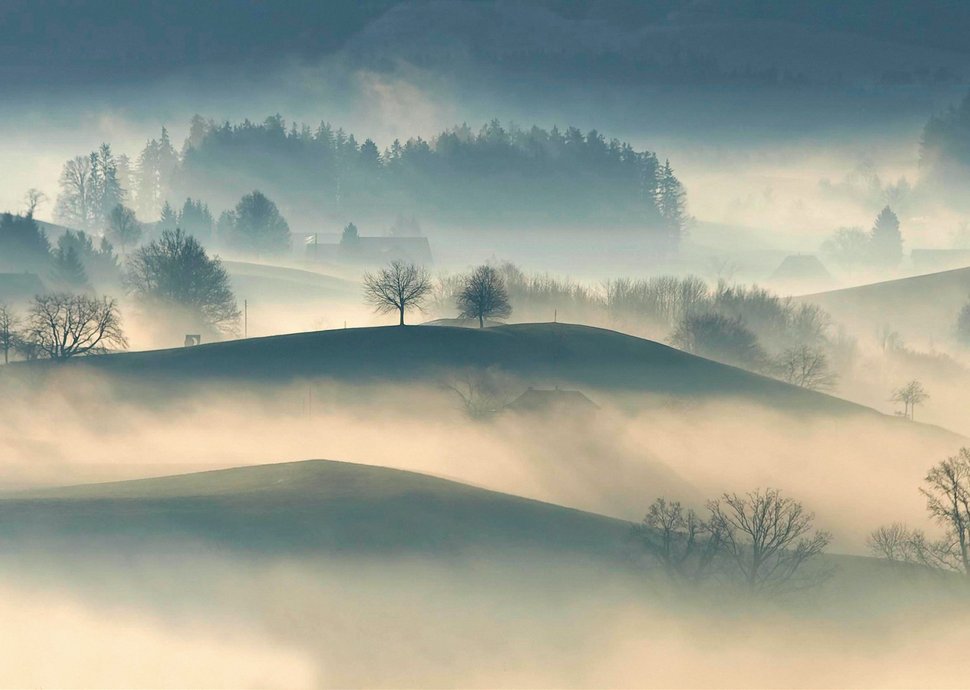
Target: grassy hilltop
(306, 507)
(544, 353)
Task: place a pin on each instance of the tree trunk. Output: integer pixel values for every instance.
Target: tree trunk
(401, 323)
(481, 321)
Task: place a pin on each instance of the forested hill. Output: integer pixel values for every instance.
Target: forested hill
(495, 174)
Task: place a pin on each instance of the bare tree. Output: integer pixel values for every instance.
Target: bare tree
(947, 492)
(63, 326)
(484, 296)
(892, 542)
(806, 367)
(398, 287)
(483, 392)
(75, 203)
(32, 199)
(911, 395)
(123, 227)
(686, 546)
(9, 323)
(769, 538)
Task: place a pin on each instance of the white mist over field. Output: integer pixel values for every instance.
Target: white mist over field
(681, 397)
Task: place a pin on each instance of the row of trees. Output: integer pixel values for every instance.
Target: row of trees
(77, 260)
(94, 192)
(709, 323)
(762, 540)
(402, 286)
(500, 170)
(172, 278)
(946, 488)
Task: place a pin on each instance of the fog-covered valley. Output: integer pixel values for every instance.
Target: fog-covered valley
(438, 343)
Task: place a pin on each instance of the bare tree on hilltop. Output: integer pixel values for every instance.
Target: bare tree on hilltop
(484, 296)
(397, 287)
(62, 326)
(911, 395)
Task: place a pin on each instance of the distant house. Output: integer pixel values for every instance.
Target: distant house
(19, 287)
(801, 273)
(554, 400)
(373, 250)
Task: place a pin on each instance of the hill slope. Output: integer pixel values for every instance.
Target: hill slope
(924, 306)
(544, 354)
(309, 506)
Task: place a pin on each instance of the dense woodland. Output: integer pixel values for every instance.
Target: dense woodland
(494, 177)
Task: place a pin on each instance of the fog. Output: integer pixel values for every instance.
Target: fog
(775, 191)
(856, 472)
(217, 621)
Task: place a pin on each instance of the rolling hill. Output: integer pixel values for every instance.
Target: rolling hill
(304, 507)
(923, 306)
(276, 283)
(540, 354)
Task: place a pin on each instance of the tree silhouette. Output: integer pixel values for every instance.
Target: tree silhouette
(9, 323)
(23, 245)
(484, 296)
(806, 367)
(123, 227)
(398, 287)
(258, 226)
(174, 273)
(769, 537)
(911, 395)
(886, 239)
(62, 326)
(720, 337)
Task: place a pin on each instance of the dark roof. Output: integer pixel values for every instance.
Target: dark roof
(539, 400)
(801, 266)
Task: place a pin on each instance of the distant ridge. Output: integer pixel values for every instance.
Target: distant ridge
(923, 305)
(308, 506)
(540, 353)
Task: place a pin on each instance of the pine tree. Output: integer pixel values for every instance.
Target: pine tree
(157, 166)
(196, 219)
(149, 192)
(108, 192)
(67, 268)
(886, 239)
(671, 204)
(168, 219)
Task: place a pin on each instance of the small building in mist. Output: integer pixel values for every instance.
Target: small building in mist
(554, 401)
(801, 273)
